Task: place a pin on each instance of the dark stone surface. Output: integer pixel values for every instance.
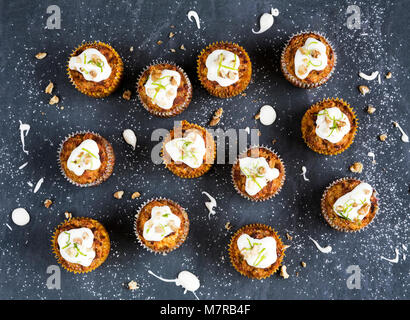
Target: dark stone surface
(382, 44)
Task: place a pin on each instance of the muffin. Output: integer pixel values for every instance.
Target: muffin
(86, 159)
(308, 60)
(224, 69)
(161, 225)
(256, 251)
(349, 204)
(258, 174)
(80, 244)
(329, 126)
(189, 150)
(95, 69)
(164, 89)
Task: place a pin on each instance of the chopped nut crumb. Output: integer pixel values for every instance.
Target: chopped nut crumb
(172, 50)
(216, 117)
(228, 226)
(182, 47)
(159, 42)
(49, 88)
(54, 100)
(297, 274)
(356, 167)
(371, 109)
(383, 137)
(118, 194)
(41, 55)
(289, 236)
(135, 195)
(243, 94)
(48, 203)
(68, 215)
(273, 141)
(132, 285)
(364, 90)
(283, 272)
(303, 264)
(388, 75)
(171, 35)
(127, 94)
(257, 116)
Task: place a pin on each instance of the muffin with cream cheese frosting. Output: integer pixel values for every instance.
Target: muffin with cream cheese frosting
(161, 225)
(164, 89)
(308, 60)
(95, 69)
(349, 204)
(256, 251)
(258, 174)
(224, 69)
(189, 150)
(86, 159)
(329, 126)
(80, 244)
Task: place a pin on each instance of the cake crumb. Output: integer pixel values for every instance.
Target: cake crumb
(243, 94)
(257, 116)
(159, 42)
(273, 141)
(49, 88)
(118, 194)
(54, 100)
(356, 167)
(228, 226)
(68, 215)
(172, 50)
(283, 272)
(41, 55)
(133, 285)
(216, 117)
(289, 236)
(388, 75)
(303, 264)
(182, 47)
(127, 94)
(383, 137)
(297, 274)
(135, 195)
(371, 109)
(364, 90)
(48, 203)
(171, 35)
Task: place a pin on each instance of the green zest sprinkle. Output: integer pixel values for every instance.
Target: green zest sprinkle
(85, 58)
(78, 251)
(89, 152)
(220, 65)
(263, 257)
(165, 215)
(68, 241)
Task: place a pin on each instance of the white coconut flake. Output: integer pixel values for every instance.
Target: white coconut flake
(321, 249)
(396, 258)
(304, 173)
(20, 216)
(23, 165)
(38, 185)
(210, 205)
(24, 129)
(404, 136)
(130, 137)
(186, 280)
(367, 77)
(193, 14)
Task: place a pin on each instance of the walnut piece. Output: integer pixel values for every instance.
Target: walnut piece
(132, 285)
(257, 116)
(41, 55)
(383, 137)
(54, 100)
(48, 203)
(303, 264)
(118, 194)
(217, 117)
(388, 75)
(68, 215)
(172, 50)
(49, 88)
(228, 226)
(288, 236)
(182, 47)
(364, 90)
(283, 272)
(127, 94)
(159, 42)
(135, 195)
(356, 167)
(371, 109)
(171, 35)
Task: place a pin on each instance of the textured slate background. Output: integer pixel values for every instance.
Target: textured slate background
(382, 44)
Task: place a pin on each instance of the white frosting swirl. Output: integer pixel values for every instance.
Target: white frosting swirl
(258, 253)
(332, 124)
(312, 56)
(258, 174)
(354, 205)
(162, 87)
(85, 157)
(92, 64)
(223, 67)
(76, 246)
(189, 150)
(162, 223)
